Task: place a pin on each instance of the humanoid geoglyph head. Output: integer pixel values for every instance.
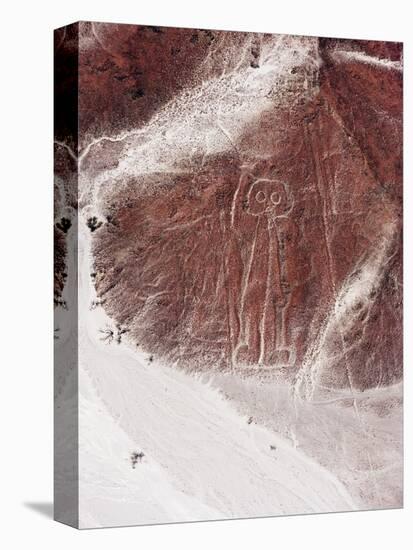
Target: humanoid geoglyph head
(269, 197)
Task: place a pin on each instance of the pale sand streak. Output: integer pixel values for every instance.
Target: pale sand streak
(348, 56)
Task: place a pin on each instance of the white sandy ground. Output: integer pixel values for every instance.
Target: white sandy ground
(202, 459)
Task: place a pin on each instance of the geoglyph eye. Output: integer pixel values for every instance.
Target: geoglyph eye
(275, 197)
(260, 196)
